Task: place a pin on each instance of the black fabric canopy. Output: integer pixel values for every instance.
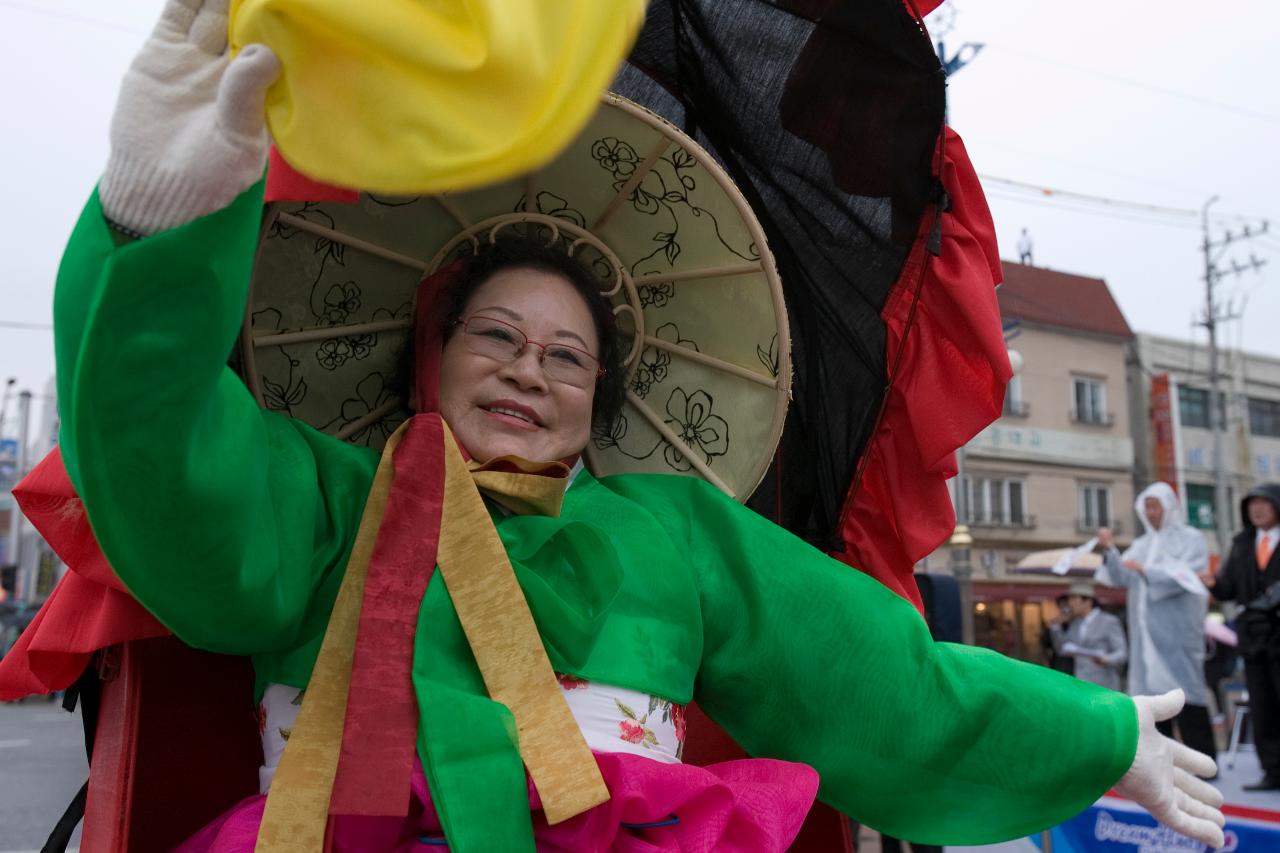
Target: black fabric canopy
(827, 114)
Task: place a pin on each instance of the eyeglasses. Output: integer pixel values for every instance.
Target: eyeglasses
(504, 342)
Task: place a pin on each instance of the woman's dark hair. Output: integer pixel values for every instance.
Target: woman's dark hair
(514, 251)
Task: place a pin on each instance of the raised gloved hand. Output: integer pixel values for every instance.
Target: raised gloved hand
(1161, 778)
(188, 134)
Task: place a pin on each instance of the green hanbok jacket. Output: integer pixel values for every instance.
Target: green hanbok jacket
(233, 526)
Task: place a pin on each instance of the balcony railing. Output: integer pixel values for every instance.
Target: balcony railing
(1016, 408)
(1090, 526)
(1022, 522)
(1101, 419)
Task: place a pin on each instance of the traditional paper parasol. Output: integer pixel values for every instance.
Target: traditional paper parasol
(676, 247)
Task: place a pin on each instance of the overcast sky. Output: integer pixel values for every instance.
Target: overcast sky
(1163, 105)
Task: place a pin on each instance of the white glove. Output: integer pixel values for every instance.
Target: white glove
(1161, 781)
(189, 131)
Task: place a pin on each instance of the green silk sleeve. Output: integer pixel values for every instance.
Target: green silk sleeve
(231, 525)
(808, 660)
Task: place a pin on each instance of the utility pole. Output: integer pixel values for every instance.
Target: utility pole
(1213, 315)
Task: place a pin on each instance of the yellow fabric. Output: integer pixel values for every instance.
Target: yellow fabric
(518, 492)
(425, 96)
(297, 809)
(508, 648)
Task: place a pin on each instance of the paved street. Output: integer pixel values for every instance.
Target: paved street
(42, 765)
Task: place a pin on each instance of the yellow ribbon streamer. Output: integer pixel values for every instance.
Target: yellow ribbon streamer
(508, 649)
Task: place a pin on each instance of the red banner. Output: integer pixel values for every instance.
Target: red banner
(1164, 427)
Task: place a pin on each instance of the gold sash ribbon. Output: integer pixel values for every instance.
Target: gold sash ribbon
(506, 643)
(499, 628)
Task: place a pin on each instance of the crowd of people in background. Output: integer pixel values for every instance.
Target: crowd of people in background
(1169, 587)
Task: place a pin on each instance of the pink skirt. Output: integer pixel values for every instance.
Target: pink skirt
(749, 805)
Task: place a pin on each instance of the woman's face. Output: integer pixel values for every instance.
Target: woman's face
(510, 408)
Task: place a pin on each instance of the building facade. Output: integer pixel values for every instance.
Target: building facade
(1059, 462)
(1183, 454)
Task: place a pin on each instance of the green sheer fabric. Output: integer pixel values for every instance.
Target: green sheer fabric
(233, 525)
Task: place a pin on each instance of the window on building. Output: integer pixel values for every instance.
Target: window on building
(979, 502)
(1264, 417)
(1090, 401)
(1095, 505)
(1193, 407)
(995, 500)
(1017, 502)
(1014, 405)
(1200, 505)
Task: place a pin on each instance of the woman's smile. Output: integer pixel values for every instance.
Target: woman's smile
(513, 414)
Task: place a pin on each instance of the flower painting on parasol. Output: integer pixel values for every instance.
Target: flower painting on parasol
(675, 246)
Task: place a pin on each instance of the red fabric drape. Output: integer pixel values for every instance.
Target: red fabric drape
(922, 7)
(88, 610)
(948, 367)
(285, 183)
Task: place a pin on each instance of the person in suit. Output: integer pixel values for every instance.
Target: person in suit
(1251, 576)
(1094, 630)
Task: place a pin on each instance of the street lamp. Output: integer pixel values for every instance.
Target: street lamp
(20, 469)
(962, 57)
(962, 569)
(4, 402)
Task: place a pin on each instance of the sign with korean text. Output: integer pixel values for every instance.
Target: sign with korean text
(1057, 446)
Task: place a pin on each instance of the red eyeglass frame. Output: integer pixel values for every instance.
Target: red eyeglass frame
(463, 321)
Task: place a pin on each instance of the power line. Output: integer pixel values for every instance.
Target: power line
(1067, 206)
(1092, 167)
(1141, 84)
(72, 16)
(35, 327)
(1118, 204)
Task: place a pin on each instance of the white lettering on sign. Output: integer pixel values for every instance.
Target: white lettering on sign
(1151, 839)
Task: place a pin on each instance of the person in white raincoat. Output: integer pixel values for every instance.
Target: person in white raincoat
(1167, 604)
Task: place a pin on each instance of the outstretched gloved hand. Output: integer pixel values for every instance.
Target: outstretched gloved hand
(1161, 777)
(188, 134)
